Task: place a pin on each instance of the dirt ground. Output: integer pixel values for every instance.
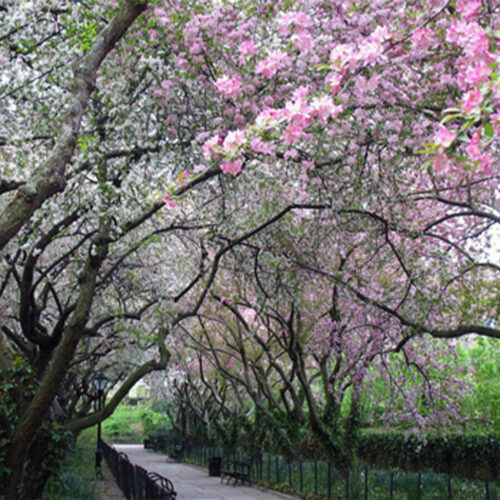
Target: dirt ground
(107, 489)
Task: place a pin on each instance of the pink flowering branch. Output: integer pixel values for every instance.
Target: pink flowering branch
(445, 333)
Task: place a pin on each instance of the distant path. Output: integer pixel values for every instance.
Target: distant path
(191, 482)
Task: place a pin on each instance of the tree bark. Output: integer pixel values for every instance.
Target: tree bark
(49, 178)
(38, 408)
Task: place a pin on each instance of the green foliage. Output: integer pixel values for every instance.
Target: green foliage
(75, 477)
(479, 365)
(484, 404)
(17, 384)
(132, 423)
(475, 457)
(17, 387)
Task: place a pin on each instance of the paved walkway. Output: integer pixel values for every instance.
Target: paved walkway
(191, 482)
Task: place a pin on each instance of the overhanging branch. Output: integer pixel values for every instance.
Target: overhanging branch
(49, 178)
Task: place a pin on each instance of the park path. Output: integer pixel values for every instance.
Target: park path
(191, 482)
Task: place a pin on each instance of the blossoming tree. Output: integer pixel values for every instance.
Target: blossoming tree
(369, 130)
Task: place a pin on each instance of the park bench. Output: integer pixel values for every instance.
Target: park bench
(160, 487)
(239, 470)
(177, 453)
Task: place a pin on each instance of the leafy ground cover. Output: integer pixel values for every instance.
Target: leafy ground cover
(75, 479)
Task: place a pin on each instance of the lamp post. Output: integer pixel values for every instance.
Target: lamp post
(100, 381)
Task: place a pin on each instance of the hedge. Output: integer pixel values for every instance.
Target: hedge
(471, 456)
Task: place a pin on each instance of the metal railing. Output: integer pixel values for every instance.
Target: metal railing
(136, 482)
(319, 479)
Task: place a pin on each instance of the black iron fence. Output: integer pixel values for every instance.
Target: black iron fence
(315, 479)
(136, 482)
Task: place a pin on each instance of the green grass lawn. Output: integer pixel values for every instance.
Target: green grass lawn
(131, 424)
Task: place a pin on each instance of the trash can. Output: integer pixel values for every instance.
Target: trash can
(214, 466)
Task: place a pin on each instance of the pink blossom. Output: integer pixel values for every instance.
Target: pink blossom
(335, 81)
(300, 92)
(370, 51)
(233, 140)
(476, 73)
(423, 38)
(302, 41)
(455, 31)
(159, 11)
(485, 164)
(298, 21)
(470, 36)
(260, 146)
(296, 108)
(267, 116)
(468, 9)
(297, 112)
(292, 134)
(197, 47)
(153, 34)
(295, 129)
(210, 147)
(343, 55)
(324, 108)
(381, 34)
(231, 167)
(166, 200)
(444, 137)
(162, 16)
(199, 168)
(247, 48)
(229, 87)
(472, 100)
(479, 43)
(202, 136)
(441, 164)
(275, 61)
(163, 91)
(473, 147)
(182, 62)
(182, 177)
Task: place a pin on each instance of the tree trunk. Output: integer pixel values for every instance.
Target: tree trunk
(49, 178)
(37, 410)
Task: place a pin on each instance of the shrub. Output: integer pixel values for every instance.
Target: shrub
(75, 479)
(471, 456)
